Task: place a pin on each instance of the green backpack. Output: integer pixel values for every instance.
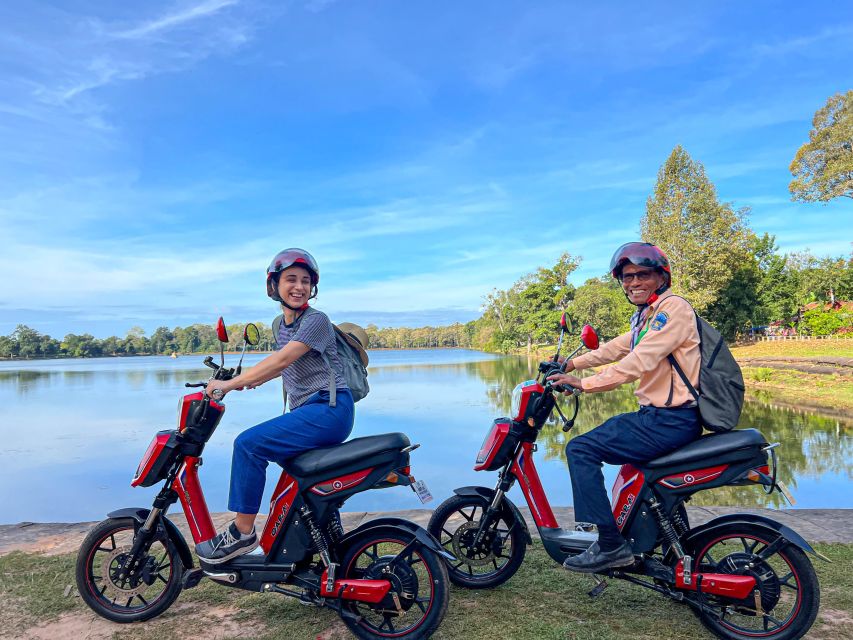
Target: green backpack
(351, 353)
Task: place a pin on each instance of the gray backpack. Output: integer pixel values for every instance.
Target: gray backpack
(353, 360)
(721, 388)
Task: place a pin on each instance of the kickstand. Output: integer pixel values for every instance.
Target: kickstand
(600, 586)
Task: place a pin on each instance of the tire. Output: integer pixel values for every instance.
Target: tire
(422, 575)
(789, 588)
(453, 524)
(147, 593)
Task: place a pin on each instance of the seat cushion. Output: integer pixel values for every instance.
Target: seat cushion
(709, 446)
(341, 455)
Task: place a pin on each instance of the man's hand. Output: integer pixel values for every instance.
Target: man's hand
(567, 380)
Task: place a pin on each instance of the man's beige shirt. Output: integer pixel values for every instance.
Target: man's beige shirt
(670, 327)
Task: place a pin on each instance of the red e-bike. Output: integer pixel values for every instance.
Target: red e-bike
(386, 578)
(745, 576)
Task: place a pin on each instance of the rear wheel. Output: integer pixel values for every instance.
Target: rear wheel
(787, 596)
(484, 564)
(419, 586)
(113, 586)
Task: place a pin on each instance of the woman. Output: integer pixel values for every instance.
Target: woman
(303, 340)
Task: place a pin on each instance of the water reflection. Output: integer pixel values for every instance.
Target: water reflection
(812, 446)
(73, 431)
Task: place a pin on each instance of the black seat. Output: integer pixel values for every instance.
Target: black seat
(709, 447)
(330, 458)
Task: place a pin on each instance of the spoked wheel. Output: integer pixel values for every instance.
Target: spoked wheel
(114, 588)
(419, 586)
(479, 565)
(787, 595)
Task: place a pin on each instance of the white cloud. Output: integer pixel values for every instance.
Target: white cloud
(172, 20)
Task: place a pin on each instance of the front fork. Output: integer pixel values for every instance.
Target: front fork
(505, 482)
(144, 536)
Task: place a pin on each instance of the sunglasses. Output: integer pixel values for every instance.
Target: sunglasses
(639, 276)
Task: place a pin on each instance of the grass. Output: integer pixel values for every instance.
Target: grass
(541, 602)
(802, 389)
(795, 348)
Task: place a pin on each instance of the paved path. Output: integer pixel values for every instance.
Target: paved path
(815, 525)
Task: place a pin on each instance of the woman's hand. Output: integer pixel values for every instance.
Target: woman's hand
(217, 389)
(566, 380)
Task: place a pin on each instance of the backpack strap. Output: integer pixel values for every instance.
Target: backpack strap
(276, 327)
(674, 363)
(683, 377)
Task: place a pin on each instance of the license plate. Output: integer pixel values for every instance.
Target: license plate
(786, 493)
(421, 489)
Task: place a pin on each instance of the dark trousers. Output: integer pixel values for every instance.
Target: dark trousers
(631, 438)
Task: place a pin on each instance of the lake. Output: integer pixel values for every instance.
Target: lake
(74, 430)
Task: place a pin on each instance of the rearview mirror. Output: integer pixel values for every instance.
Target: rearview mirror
(221, 333)
(589, 337)
(251, 334)
(563, 323)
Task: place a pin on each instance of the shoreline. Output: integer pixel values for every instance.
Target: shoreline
(57, 538)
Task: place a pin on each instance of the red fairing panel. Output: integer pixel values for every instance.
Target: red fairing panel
(526, 391)
(192, 499)
(531, 487)
(188, 400)
(700, 476)
(491, 445)
(625, 491)
(328, 487)
(185, 407)
(150, 456)
(282, 499)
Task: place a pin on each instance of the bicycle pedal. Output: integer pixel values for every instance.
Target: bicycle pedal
(192, 578)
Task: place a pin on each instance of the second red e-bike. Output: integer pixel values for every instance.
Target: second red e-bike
(746, 576)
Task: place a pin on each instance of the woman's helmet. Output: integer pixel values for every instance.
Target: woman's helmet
(642, 254)
(288, 258)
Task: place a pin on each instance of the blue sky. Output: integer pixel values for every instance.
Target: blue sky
(154, 156)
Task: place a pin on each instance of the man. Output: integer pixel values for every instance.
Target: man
(667, 419)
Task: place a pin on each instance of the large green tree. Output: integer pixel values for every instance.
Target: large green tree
(601, 303)
(708, 242)
(777, 284)
(29, 341)
(823, 167)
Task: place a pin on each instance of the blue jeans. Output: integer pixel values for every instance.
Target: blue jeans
(311, 425)
(632, 438)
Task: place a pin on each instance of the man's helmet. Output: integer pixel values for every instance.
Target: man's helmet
(288, 258)
(642, 254)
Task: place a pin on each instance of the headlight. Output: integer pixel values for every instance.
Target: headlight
(515, 405)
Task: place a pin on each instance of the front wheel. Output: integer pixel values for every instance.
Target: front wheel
(788, 594)
(484, 564)
(418, 581)
(114, 586)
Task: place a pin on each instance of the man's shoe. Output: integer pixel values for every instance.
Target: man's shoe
(226, 545)
(594, 560)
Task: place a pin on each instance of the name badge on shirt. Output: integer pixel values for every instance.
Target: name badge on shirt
(659, 321)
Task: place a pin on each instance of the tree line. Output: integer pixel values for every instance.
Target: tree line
(734, 276)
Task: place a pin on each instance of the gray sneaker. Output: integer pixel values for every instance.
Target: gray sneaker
(226, 545)
(594, 560)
